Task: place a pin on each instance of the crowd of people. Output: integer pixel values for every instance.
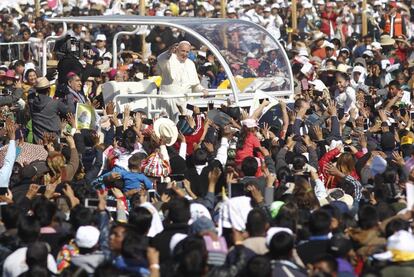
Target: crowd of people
(322, 187)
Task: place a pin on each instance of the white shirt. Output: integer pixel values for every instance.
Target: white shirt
(177, 77)
(274, 26)
(15, 263)
(346, 100)
(103, 53)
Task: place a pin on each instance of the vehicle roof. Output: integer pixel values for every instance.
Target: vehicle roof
(137, 19)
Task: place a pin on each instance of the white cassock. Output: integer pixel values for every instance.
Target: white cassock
(177, 78)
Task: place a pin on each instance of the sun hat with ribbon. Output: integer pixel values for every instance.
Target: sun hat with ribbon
(164, 127)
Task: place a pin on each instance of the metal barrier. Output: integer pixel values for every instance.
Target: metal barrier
(9, 50)
(188, 96)
(44, 47)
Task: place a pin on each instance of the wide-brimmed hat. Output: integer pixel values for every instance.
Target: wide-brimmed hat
(386, 40)
(166, 128)
(402, 39)
(329, 67)
(337, 194)
(316, 36)
(343, 68)
(42, 83)
(10, 74)
(319, 85)
(52, 63)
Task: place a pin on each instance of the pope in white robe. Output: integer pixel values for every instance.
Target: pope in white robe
(179, 76)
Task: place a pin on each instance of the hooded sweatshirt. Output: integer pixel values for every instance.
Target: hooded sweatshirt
(45, 112)
(89, 262)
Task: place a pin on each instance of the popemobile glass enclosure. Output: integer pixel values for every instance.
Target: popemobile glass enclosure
(251, 58)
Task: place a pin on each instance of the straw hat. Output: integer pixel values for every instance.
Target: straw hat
(42, 83)
(318, 35)
(402, 39)
(337, 194)
(386, 40)
(166, 128)
(343, 68)
(330, 67)
(52, 63)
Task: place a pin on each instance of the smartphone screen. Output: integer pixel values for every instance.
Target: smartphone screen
(42, 189)
(3, 190)
(91, 203)
(151, 194)
(190, 107)
(177, 177)
(366, 124)
(305, 84)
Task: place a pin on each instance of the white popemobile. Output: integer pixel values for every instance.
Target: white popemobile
(255, 64)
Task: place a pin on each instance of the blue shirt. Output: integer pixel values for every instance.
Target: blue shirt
(133, 180)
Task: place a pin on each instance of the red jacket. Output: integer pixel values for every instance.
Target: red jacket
(196, 135)
(247, 151)
(327, 20)
(330, 181)
(401, 53)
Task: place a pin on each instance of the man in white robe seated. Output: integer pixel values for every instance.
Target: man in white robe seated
(179, 76)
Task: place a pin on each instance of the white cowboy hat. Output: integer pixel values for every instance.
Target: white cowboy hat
(341, 196)
(164, 127)
(319, 85)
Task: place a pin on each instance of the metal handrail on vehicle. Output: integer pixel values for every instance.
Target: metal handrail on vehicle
(187, 96)
(150, 97)
(115, 45)
(18, 43)
(44, 47)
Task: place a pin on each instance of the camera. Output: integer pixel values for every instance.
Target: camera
(72, 46)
